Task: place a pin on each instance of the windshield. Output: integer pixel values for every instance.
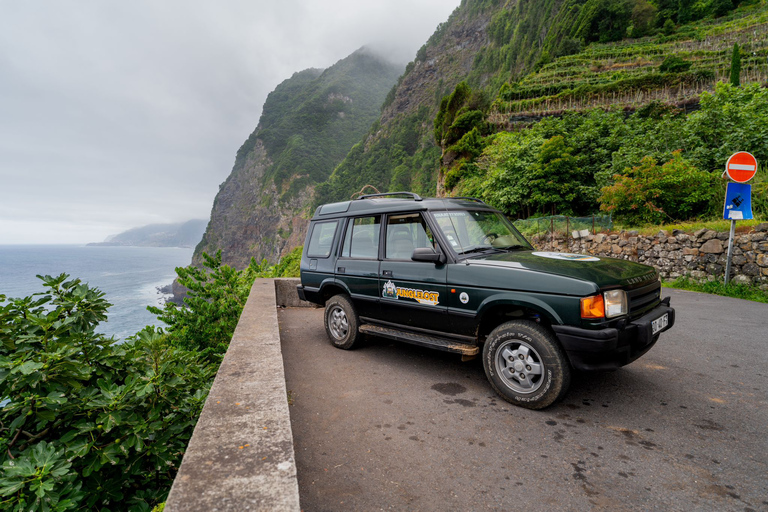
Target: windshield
(478, 231)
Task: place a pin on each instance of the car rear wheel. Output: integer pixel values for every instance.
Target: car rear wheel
(341, 322)
(525, 364)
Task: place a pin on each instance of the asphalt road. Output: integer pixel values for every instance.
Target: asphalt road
(390, 426)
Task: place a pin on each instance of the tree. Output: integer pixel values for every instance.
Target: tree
(721, 7)
(650, 193)
(736, 66)
(669, 27)
(684, 11)
(556, 180)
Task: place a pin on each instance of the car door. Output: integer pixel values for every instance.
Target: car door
(358, 263)
(413, 293)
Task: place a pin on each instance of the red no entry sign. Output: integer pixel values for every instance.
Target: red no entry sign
(741, 167)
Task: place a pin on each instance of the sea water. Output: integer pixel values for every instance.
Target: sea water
(129, 276)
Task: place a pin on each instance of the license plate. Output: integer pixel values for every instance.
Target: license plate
(660, 323)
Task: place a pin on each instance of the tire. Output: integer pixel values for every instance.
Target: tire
(341, 322)
(540, 373)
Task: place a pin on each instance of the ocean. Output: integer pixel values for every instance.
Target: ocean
(129, 276)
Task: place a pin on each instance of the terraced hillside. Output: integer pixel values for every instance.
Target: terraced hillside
(627, 73)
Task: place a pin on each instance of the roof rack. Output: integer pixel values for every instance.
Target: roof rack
(415, 197)
(468, 199)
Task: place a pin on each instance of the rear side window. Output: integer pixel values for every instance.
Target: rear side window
(321, 240)
(362, 238)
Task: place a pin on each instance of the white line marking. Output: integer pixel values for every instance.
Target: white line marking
(741, 167)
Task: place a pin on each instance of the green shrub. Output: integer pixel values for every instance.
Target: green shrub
(91, 424)
(217, 294)
(674, 64)
(96, 425)
(651, 193)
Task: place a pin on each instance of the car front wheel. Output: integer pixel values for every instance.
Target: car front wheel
(525, 364)
(341, 322)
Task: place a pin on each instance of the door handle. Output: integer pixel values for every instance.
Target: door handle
(386, 273)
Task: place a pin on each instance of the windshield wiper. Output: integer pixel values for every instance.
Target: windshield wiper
(477, 249)
(512, 247)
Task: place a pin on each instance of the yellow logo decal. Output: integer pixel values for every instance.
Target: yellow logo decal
(420, 296)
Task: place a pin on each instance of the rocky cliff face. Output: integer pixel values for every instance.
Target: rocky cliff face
(308, 125)
(249, 220)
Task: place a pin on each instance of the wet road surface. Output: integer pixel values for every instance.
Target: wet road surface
(390, 426)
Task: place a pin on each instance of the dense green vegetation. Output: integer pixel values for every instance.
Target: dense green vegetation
(655, 165)
(94, 424)
(612, 79)
(404, 160)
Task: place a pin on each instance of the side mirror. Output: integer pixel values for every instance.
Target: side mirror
(427, 254)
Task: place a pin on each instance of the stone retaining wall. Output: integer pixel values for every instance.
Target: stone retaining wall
(700, 255)
(241, 454)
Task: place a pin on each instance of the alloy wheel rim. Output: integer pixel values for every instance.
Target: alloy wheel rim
(520, 367)
(338, 323)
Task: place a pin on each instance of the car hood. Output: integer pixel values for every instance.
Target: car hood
(604, 272)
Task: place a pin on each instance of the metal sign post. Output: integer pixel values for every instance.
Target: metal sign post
(740, 167)
(730, 252)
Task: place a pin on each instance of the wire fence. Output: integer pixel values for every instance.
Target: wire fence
(561, 225)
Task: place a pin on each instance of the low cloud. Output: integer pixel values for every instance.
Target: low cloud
(115, 115)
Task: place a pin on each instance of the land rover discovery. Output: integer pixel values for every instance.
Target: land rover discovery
(455, 274)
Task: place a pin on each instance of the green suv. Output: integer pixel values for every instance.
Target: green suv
(454, 274)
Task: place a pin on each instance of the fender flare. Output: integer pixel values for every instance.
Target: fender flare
(519, 300)
(332, 281)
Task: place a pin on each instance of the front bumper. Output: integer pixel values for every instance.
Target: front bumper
(614, 347)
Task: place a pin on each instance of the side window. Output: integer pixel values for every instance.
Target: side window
(406, 233)
(362, 238)
(321, 239)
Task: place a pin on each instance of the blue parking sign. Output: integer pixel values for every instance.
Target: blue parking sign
(738, 202)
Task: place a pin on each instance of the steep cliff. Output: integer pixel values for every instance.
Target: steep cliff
(308, 124)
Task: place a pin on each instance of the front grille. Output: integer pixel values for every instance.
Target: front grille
(643, 298)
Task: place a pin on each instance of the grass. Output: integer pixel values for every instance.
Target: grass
(717, 287)
(692, 226)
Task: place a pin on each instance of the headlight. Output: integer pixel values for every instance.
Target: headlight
(615, 303)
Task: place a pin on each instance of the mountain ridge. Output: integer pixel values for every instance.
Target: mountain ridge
(307, 126)
(179, 234)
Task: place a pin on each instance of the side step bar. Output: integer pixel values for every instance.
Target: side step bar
(444, 344)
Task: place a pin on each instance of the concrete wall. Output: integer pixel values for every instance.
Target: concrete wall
(241, 453)
(700, 255)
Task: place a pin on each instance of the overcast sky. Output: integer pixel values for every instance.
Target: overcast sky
(114, 114)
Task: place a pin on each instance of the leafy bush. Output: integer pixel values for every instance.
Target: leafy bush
(91, 424)
(674, 64)
(94, 424)
(217, 294)
(216, 297)
(653, 194)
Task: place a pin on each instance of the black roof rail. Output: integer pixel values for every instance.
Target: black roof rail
(415, 197)
(468, 199)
